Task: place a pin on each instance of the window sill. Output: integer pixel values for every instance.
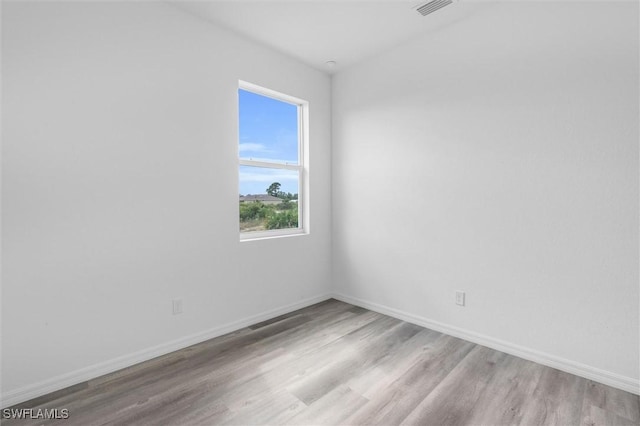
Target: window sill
(269, 235)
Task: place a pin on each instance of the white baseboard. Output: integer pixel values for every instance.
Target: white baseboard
(608, 378)
(44, 387)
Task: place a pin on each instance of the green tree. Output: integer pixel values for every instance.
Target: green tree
(253, 211)
(274, 189)
(286, 205)
(284, 219)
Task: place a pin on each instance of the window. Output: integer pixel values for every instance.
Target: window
(272, 164)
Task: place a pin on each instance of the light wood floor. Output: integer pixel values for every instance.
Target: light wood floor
(334, 363)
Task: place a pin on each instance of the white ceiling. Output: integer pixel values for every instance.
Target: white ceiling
(346, 31)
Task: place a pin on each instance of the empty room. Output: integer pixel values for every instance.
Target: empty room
(316, 212)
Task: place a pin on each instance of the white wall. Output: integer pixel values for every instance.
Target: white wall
(499, 156)
(120, 187)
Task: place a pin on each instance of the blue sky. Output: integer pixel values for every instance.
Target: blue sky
(268, 130)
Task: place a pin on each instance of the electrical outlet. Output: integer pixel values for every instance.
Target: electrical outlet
(460, 298)
(177, 306)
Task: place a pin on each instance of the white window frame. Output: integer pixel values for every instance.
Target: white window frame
(301, 167)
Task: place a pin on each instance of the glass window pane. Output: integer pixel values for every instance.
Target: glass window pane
(268, 199)
(268, 128)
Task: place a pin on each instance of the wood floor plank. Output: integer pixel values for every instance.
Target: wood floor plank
(557, 399)
(335, 363)
(455, 399)
(614, 401)
(298, 360)
(386, 371)
(303, 311)
(394, 404)
(377, 340)
(271, 407)
(596, 416)
(333, 408)
(508, 393)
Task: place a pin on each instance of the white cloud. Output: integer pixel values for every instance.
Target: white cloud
(255, 180)
(252, 147)
(271, 176)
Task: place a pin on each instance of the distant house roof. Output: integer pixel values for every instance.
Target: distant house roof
(260, 197)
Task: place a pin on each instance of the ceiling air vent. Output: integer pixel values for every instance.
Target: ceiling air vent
(432, 6)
